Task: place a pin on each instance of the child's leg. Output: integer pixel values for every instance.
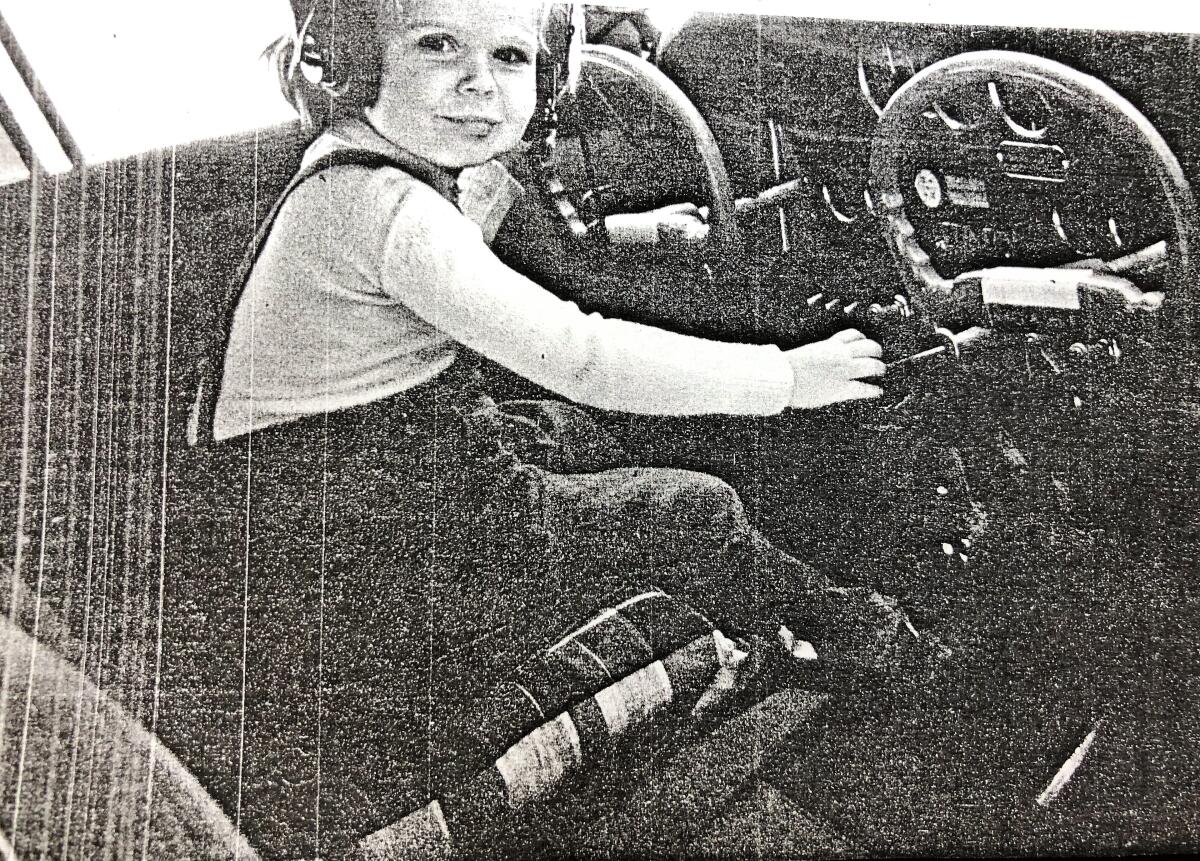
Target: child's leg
(689, 531)
(688, 528)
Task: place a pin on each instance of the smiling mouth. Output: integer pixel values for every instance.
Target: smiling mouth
(478, 127)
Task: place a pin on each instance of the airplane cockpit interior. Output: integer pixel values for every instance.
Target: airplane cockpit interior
(1005, 208)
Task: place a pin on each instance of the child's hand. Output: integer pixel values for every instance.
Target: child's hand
(680, 225)
(832, 370)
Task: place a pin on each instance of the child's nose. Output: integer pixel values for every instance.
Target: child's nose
(477, 74)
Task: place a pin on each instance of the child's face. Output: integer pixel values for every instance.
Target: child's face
(458, 84)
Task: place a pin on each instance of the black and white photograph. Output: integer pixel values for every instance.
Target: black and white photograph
(524, 429)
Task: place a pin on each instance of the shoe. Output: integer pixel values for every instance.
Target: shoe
(857, 640)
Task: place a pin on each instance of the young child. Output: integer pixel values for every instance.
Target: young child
(422, 281)
(387, 523)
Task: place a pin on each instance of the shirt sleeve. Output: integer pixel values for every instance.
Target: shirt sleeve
(436, 262)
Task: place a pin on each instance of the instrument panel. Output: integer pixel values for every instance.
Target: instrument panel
(1003, 174)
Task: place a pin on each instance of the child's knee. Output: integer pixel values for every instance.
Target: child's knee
(705, 500)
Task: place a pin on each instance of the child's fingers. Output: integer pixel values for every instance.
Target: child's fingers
(867, 367)
(857, 391)
(682, 229)
(694, 232)
(864, 347)
(855, 343)
(686, 208)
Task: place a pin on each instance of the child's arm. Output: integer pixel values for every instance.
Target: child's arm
(435, 263)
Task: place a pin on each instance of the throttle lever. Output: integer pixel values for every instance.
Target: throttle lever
(952, 345)
(776, 195)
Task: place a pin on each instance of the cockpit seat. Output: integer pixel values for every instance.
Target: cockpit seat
(80, 775)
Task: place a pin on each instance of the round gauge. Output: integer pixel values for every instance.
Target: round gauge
(1026, 110)
(841, 211)
(937, 112)
(929, 188)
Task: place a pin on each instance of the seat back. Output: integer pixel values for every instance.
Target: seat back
(114, 271)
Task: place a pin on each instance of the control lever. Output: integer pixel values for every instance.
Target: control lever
(1149, 259)
(776, 195)
(952, 345)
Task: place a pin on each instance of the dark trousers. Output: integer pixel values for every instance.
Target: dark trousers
(343, 580)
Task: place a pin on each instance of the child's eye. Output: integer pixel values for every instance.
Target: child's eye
(440, 43)
(512, 56)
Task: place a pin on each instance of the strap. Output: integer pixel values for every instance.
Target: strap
(212, 360)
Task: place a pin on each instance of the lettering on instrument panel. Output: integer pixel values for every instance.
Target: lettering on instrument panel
(1033, 161)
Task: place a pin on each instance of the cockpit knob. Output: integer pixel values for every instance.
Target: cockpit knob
(1105, 352)
(899, 306)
